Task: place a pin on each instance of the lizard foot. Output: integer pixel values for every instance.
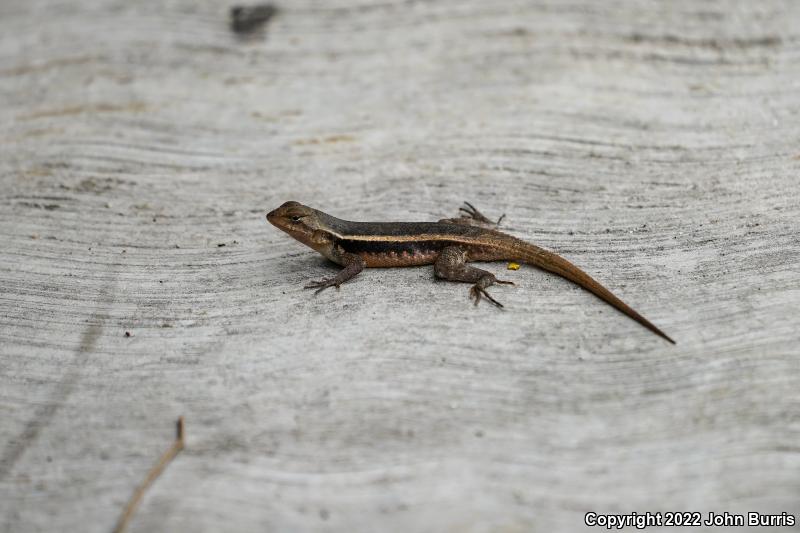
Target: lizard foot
(322, 284)
(477, 291)
(474, 214)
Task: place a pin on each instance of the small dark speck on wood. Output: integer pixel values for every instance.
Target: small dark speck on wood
(248, 19)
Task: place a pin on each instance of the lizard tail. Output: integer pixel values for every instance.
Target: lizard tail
(539, 257)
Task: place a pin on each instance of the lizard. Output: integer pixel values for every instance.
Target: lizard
(448, 245)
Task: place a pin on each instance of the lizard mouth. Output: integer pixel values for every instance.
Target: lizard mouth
(275, 218)
(279, 220)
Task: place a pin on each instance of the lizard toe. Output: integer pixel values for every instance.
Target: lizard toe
(477, 291)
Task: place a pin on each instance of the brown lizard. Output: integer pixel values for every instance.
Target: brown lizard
(447, 244)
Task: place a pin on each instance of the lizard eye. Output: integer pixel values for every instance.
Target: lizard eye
(296, 218)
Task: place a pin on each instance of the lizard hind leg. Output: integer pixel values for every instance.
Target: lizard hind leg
(452, 265)
(472, 217)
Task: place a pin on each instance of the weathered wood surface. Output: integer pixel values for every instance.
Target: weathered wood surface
(654, 144)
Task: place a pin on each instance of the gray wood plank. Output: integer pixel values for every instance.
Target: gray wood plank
(653, 144)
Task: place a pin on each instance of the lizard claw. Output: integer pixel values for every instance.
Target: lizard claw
(321, 285)
(474, 214)
(477, 291)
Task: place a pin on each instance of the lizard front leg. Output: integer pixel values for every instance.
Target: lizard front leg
(452, 265)
(473, 217)
(353, 264)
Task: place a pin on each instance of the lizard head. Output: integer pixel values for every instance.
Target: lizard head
(301, 222)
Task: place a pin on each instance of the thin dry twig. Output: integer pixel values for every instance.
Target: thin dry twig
(159, 467)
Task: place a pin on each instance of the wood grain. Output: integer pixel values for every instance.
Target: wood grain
(653, 144)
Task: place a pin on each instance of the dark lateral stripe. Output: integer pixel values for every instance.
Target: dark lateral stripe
(385, 247)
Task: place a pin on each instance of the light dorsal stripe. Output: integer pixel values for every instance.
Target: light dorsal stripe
(409, 238)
